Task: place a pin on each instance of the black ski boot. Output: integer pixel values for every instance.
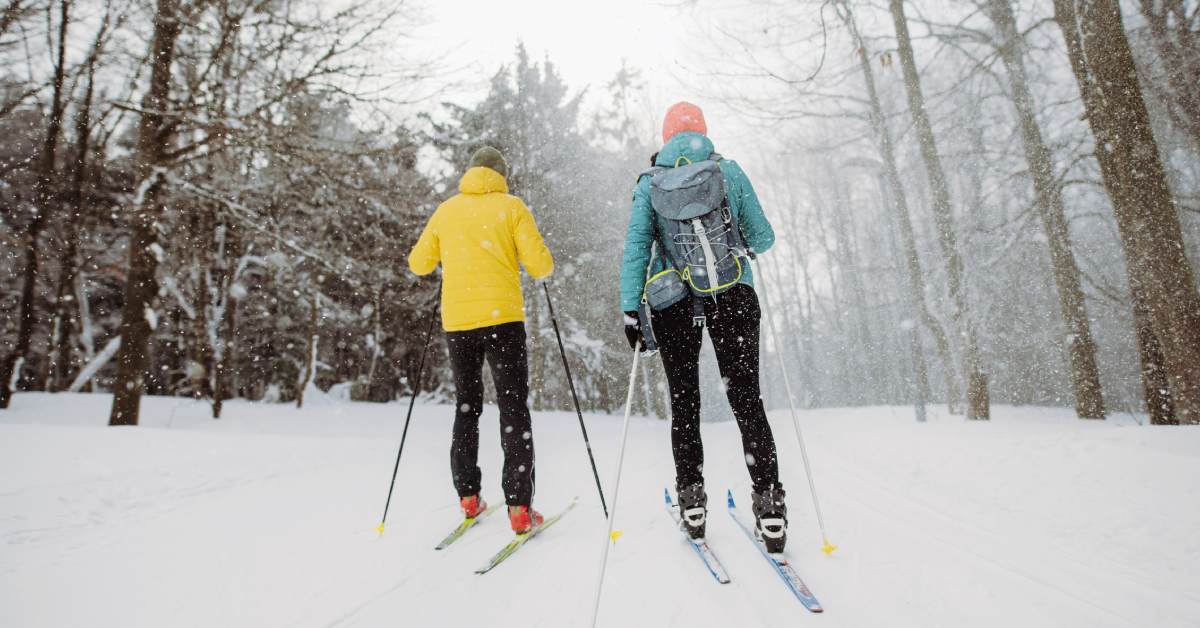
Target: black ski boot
(692, 510)
(770, 518)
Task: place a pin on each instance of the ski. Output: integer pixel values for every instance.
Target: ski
(521, 539)
(467, 524)
(779, 563)
(699, 546)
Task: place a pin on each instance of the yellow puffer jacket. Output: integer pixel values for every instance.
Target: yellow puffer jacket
(479, 236)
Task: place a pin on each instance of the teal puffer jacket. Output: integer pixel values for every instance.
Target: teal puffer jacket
(743, 202)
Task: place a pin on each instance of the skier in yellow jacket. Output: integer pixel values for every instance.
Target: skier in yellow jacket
(480, 236)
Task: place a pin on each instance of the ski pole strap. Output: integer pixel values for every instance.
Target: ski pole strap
(644, 321)
(647, 327)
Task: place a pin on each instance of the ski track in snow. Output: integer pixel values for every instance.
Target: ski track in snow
(265, 518)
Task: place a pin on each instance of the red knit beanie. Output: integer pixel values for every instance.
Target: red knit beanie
(683, 116)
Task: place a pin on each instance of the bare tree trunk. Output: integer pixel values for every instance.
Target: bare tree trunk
(816, 396)
(915, 302)
(140, 284)
(199, 350)
(376, 343)
(1085, 375)
(64, 359)
(806, 340)
(852, 275)
(977, 398)
(223, 387)
(44, 200)
(647, 398)
(1179, 48)
(1156, 388)
(790, 341)
(226, 337)
(1155, 257)
(537, 365)
(837, 318)
(63, 349)
(87, 330)
(310, 360)
(912, 262)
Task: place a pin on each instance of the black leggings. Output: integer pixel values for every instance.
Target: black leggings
(733, 321)
(504, 348)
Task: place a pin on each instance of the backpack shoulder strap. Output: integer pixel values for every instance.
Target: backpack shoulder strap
(734, 228)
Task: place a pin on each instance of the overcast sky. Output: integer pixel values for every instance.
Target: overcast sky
(587, 41)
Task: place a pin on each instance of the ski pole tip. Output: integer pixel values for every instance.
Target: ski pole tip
(828, 548)
(379, 529)
(616, 534)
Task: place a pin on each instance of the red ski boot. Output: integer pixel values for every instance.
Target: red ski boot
(472, 506)
(524, 519)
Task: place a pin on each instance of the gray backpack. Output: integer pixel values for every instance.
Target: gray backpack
(702, 244)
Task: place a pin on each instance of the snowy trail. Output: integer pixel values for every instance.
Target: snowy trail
(266, 518)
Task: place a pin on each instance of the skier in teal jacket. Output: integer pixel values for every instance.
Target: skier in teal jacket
(732, 318)
(743, 202)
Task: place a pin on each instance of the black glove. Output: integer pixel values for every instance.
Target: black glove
(633, 330)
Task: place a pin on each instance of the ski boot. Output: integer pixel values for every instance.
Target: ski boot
(524, 519)
(472, 506)
(692, 510)
(770, 518)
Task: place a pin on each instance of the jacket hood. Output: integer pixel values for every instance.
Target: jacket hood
(481, 180)
(689, 145)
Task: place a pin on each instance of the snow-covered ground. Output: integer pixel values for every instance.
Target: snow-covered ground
(266, 518)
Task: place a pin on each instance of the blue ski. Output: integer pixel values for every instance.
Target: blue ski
(779, 563)
(700, 547)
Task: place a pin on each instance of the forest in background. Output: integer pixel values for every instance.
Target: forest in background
(951, 231)
(215, 198)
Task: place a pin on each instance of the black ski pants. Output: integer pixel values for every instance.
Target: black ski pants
(733, 323)
(504, 348)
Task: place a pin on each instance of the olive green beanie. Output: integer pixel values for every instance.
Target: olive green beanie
(488, 157)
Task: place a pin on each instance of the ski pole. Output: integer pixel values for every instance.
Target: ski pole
(412, 402)
(612, 515)
(826, 546)
(571, 382)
